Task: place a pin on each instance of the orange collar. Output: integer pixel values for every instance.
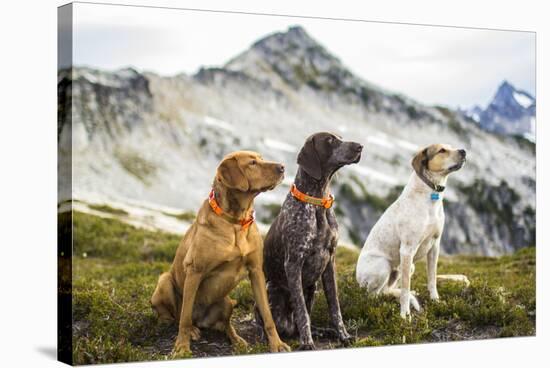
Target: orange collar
(323, 202)
(245, 223)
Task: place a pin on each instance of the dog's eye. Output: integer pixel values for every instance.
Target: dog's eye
(253, 162)
(329, 140)
(443, 150)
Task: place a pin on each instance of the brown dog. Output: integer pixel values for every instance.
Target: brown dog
(222, 244)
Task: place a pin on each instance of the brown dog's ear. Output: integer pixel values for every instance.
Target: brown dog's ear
(231, 175)
(308, 159)
(419, 162)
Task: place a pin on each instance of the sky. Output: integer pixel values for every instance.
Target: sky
(450, 66)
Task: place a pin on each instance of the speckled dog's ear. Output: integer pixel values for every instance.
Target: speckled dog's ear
(420, 160)
(231, 175)
(308, 159)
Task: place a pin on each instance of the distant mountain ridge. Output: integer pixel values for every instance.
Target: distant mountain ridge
(138, 137)
(511, 112)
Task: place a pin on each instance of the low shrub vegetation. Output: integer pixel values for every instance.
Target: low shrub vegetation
(188, 216)
(108, 209)
(116, 267)
(136, 165)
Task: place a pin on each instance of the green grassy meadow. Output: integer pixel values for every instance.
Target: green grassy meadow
(116, 266)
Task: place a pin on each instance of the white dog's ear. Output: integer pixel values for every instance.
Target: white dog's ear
(420, 161)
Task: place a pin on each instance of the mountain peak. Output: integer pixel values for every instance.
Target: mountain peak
(505, 85)
(507, 95)
(293, 55)
(295, 58)
(298, 30)
(512, 111)
(296, 37)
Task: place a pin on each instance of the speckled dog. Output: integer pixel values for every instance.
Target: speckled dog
(300, 245)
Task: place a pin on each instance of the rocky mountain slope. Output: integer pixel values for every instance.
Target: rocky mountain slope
(152, 141)
(511, 112)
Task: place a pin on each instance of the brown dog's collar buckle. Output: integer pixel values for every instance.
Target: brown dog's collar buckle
(245, 223)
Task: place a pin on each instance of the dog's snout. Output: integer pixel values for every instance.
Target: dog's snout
(462, 153)
(359, 147)
(281, 168)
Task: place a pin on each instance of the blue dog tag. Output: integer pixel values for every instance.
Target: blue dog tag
(434, 196)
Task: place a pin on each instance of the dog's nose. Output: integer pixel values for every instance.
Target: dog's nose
(281, 168)
(462, 153)
(359, 147)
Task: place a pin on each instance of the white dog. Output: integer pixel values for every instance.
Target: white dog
(410, 229)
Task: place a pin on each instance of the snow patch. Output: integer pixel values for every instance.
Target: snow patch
(278, 145)
(102, 78)
(530, 137)
(522, 99)
(209, 120)
(149, 218)
(380, 140)
(407, 145)
(375, 174)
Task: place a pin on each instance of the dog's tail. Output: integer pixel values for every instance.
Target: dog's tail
(458, 278)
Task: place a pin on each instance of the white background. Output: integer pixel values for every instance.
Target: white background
(28, 131)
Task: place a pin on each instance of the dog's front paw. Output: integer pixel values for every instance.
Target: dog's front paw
(304, 347)
(307, 346)
(278, 347)
(406, 299)
(182, 348)
(346, 339)
(406, 312)
(434, 295)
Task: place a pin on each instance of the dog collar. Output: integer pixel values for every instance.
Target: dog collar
(245, 223)
(302, 197)
(435, 187)
(434, 196)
